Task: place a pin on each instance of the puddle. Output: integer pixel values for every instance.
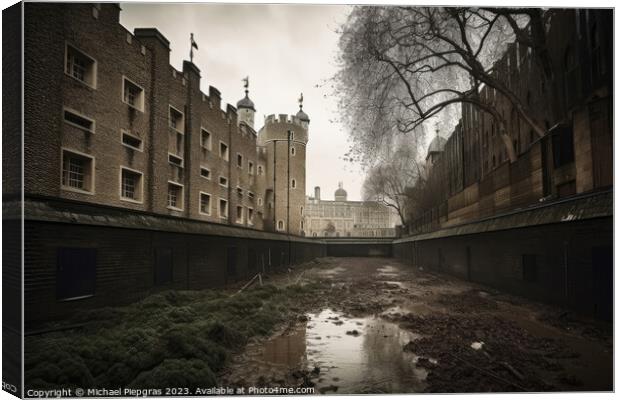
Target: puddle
(329, 273)
(387, 271)
(370, 361)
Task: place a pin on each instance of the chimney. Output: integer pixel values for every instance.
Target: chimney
(317, 193)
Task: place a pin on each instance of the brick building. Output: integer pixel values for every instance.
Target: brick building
(575, 156)
(111, 122)
(345, 218)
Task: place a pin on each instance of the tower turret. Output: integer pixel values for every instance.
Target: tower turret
(245, 107)
(284, 138)
(301, 115)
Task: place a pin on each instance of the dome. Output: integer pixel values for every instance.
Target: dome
(246, 102)
(302, 115)
(340, 194)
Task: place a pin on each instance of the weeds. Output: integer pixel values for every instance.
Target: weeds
(172, 338)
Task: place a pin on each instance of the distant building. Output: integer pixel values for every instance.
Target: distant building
(343, 218)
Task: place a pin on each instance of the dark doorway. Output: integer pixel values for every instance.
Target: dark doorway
(75, 272)
(163, 265)
(603, 280)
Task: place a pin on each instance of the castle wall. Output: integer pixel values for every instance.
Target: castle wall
(474, 177)
(165, 155)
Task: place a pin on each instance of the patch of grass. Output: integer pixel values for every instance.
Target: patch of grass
(172, 338)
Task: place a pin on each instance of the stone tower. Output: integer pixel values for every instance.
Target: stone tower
(284, 139)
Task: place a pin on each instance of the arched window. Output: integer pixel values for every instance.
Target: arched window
(280, 225)
(301, 211)
(302, 225)
(314, 234)
(293, 150)
(293, 183)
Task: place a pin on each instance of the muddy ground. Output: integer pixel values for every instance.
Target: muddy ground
(373, 325)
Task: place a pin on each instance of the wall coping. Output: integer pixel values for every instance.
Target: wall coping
(43, 209)
(575, 208)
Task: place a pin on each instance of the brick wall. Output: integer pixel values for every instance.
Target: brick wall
(143, 58)
(126, 260)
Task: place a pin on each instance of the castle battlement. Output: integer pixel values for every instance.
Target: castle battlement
(272, 119)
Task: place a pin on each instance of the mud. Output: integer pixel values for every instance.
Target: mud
(381, 327)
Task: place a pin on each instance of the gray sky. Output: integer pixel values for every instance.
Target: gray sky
(285, 49)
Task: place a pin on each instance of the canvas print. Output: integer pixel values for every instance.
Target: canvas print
(306, 199)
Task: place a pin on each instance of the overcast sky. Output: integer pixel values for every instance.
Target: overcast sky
(285, 49)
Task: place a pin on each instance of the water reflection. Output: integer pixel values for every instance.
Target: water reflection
(373, 361)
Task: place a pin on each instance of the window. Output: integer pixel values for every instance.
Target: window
(131, 185)
(223, 210)
(133, 94)
(260, 169)
(239, 214)
(250, 216)
(239, 160)
(175, 196)
(293, 183)
(260, 201)
(301, 210)
(79, 121)
(224, 151)
(239, 191)
(302, 225)
(223, 181)
(293, 150)
(205, 173)
(131, 141)
(205, 139)
(80, 66)
(250, 167)
(250, 195)
(205, 203)
(175, 160)
(77, 171)
(280, 225)
(76, 271)
(177, 120)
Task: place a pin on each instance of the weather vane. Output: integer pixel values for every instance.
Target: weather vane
(246, 83)
(193, 46)
(301, 101)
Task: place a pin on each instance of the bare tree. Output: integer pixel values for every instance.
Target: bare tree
(389, 180)
(404, 66)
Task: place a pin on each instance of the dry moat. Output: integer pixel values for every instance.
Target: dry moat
(340, 325)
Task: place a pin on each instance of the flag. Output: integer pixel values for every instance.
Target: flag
(246, 82)
(194, 44)
(301, 98)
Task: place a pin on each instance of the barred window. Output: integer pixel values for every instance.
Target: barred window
(133, 94)
(175, 196)
(80, 66)
(73, 172)
(77, 171)
(131, 185)
(205, 203)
